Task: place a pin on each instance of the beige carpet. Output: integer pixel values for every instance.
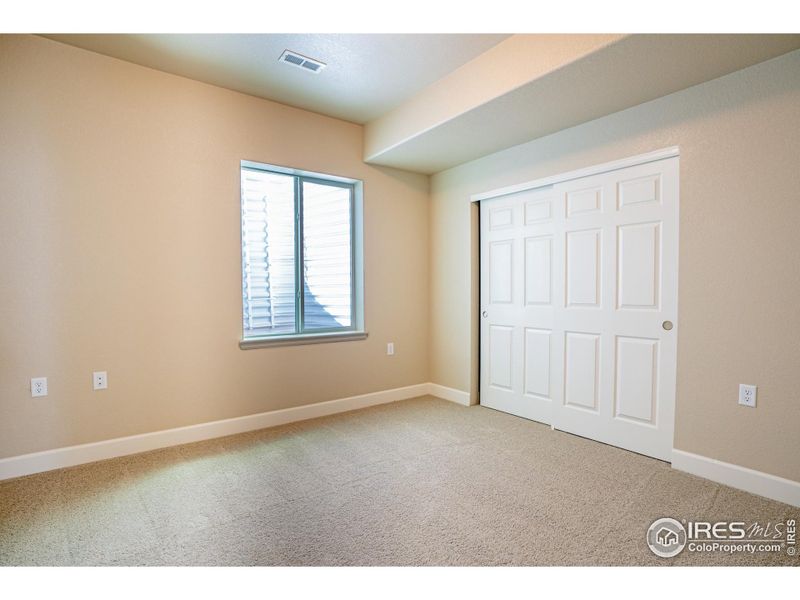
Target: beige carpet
(419, 482)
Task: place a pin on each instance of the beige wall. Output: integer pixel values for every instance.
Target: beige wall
(119, 251)
(739, 312)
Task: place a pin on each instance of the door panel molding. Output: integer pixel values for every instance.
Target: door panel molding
(589, 273)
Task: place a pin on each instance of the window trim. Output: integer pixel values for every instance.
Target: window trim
(356, 330)
(300, 339)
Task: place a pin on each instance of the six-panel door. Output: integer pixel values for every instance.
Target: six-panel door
(577, 282)
(517, 298)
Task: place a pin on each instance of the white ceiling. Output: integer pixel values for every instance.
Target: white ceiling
(627, 72)
(367, 74)
(433, 101)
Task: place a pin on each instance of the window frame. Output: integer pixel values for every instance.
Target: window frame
(356, 330)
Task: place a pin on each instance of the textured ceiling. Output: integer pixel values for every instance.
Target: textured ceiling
(627, 72)
(367, 74)
(433, 101)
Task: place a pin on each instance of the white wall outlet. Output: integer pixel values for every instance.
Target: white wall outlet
(390, 349)
(38, 387)
(747, 395)
(99, 380)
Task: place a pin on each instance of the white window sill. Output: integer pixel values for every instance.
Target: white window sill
(303, 338)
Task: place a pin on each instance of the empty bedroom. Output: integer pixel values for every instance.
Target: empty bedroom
(413, 294)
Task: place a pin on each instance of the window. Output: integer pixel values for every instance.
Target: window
(301, 256)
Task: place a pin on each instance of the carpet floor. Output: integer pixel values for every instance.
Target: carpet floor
(418, 482)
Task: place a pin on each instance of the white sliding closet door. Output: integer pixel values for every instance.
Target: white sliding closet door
(579, 287)
(518, 294)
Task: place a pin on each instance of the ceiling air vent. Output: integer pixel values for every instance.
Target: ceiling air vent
(301, 62)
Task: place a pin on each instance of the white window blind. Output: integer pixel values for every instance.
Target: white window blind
(327, 256)
(268, 253)
(297, 254)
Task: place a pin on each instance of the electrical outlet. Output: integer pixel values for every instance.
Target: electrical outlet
(38, 387)
(747, 395)
(390, 349)
(99, 380)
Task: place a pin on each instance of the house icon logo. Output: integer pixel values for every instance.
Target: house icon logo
(666, 537)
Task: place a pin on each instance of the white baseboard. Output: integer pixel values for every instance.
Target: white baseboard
(451, 394)
(749, 480)
(756, 482)
(27, 464)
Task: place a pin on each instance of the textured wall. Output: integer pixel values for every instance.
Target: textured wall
(119, 251)
(739, 138)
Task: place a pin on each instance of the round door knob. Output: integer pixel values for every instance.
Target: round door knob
(485, 313)
(667, 325)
